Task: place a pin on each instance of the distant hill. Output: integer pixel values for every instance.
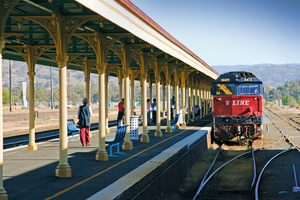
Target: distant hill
(270, 74)
(42, 77)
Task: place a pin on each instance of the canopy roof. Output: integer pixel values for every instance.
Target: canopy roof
(120, 21)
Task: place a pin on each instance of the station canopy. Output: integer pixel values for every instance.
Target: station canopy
(120, 22)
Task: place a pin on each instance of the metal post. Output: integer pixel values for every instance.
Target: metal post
(10, 88)
(51, 89)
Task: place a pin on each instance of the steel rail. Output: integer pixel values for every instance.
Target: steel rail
(254, 169)
(260, 175)
(283, 135)
(204, 181)
(212, 174)
(211, 166)
(280, 153)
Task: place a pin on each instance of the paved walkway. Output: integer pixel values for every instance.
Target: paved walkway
(31, 174)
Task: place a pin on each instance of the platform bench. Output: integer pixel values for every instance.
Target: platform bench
(72, 128)
(119, 137)
(174, 122)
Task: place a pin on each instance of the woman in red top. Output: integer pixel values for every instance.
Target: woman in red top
(121, 111)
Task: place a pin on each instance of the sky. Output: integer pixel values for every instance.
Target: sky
(232, 32)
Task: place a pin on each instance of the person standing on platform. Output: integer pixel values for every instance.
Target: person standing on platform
(84, 114)
(197, 110)
(121, 112)
(172, 107)
(153, 106)
(148, 111)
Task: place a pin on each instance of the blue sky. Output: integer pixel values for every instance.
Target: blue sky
(232, 32)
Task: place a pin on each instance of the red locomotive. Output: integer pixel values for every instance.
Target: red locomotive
(237, 107)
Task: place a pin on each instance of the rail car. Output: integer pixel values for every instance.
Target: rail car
(237, 107)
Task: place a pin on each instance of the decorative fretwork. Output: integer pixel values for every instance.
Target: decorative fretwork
(91, 38)
(115, 37)
(6, 7)
(56, 22)
(30, 53)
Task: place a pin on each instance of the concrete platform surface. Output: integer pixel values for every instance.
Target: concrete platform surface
(31, 174)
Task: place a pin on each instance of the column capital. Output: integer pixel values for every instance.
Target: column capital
(143, 76)
(183, 84)
(168, 81)
(87, 79)
(157, 79)
(62, 60)
(101, 69)
(31, 74)
(126, 72)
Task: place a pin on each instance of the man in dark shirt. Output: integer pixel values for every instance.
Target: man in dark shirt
(84, 114)
(153, 107)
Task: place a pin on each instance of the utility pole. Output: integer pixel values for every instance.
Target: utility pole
(10, 88)
(51, 89)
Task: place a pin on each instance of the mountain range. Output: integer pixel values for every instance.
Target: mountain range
(272, 75)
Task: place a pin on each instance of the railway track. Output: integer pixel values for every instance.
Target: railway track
(23, 139)
(239, 178)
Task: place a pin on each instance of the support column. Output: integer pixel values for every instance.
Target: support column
(145, 137)
(120, 77)
(87, 89)
(177, 126)
(132, 97)
(189, 105)
(158, 132)
(101, 154)
(106, 103)
(87, 94)
(183, 102)
(198, 99)
(32, 145)
(127, 145)
(164, 100)
(150, 90)
(3, 194)
(201, 104)
(194, 103)
(168, 129)
(63, 168)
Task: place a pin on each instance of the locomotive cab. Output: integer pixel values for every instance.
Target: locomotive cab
(237, 107)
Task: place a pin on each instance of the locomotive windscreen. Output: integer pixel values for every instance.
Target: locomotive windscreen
(225, 89)
(249, 89)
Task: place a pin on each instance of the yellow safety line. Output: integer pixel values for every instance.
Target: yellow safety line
(87, 179)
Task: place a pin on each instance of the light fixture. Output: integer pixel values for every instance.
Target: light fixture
(132, 39)
(101, 23)
(20, 24)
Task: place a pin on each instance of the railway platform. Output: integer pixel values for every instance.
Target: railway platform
(31, 174)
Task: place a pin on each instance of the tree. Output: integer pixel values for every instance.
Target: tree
(5, 96)
(291, 101)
